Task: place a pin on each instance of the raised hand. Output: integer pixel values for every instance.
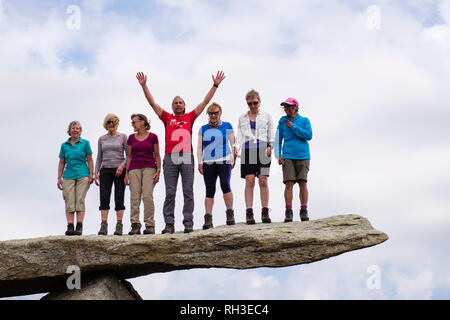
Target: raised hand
(142, 78)
(218, 78)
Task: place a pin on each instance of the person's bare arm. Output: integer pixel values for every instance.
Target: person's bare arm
(217, 80)
(90, 162)
(61, 165)
(200, 154)
(142, 78)
(158, 163)
(127, 166)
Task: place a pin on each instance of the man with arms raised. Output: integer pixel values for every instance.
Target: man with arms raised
(178, 159)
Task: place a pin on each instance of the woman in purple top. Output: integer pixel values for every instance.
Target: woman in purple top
(142, 174)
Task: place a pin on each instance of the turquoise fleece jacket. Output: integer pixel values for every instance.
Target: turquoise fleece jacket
(295, 145)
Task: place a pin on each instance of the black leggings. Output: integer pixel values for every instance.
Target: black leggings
(211, 172)
(107, 178)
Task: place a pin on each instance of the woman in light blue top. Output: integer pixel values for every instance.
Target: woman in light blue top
(75, 175)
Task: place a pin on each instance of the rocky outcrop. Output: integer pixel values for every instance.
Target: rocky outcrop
(40, 265)
(99, 287)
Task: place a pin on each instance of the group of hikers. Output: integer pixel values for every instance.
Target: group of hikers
(136, 161)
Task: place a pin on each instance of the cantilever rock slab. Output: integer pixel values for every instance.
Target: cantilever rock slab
(40, 265)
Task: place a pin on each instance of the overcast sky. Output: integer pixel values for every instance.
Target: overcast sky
(372, 77)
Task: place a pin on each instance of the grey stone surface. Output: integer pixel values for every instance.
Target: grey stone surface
(39, 265)
(97, 287)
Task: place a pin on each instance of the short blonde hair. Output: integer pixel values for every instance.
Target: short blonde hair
(213, 106)
(110, 117)
(252, 94)
(74, 123)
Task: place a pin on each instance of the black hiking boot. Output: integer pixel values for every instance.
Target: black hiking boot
(249, 216)
(135, 229)
(265, 215)
(304, 214)
(208, 221)
(230, 217)
(70, 230)
(169, 228)
(119, 229)
(288, 215)
(79, 229)
(103, 229)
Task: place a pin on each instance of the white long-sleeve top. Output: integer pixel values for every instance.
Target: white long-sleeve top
(264, 129)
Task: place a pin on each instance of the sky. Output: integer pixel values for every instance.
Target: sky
(372, 77)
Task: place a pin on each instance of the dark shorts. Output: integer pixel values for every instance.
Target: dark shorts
(255, 162)
(295, 170)
(210, 173)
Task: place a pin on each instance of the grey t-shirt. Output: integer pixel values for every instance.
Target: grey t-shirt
(112, 151)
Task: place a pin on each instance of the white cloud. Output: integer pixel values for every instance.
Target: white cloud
(377, 100)
(419, 286)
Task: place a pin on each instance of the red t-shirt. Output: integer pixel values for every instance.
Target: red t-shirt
(178, 131)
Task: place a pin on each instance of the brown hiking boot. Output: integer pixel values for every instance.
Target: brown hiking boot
(265, 215)
(149, 230)
(230, 217)
(135, 229)
(70, 230)
(288, 215)
(103, 229)
(249, 216)
(169, 228)
(119, 229)
(79, 229)
(188, 228)
(208, 221)
(304, 214)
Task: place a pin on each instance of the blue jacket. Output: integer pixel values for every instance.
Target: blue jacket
(295, 145)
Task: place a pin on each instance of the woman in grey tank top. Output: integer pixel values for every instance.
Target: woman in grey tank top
(110, 169)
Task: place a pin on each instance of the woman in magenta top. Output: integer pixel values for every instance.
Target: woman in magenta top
(143, 169)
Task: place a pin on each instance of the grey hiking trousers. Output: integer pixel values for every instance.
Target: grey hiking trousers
(175, 164)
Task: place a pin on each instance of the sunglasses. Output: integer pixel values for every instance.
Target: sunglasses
(254, 103)
(111, 122)
(133, 122)
(216, 113)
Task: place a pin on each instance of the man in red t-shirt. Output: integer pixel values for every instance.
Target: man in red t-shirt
(178, 159)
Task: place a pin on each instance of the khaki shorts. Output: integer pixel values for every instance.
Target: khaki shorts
(295, 170)
(74, 193)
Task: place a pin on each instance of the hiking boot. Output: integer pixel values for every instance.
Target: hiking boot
(149, 230)
(70, 230)
(119, 229)
(230, 217)
(304, 214)
(188, 228)
(169, 228)
(265, 215)
(288, 215)
(103, 229)
(135, 229)
(249, 216)
(208, 221)
(79, 229)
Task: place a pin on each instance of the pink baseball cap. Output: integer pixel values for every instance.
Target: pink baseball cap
(290, 101)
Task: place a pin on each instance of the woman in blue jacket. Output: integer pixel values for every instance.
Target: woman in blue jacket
(292, 152)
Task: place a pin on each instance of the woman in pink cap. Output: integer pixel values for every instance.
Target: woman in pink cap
(292, 152)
